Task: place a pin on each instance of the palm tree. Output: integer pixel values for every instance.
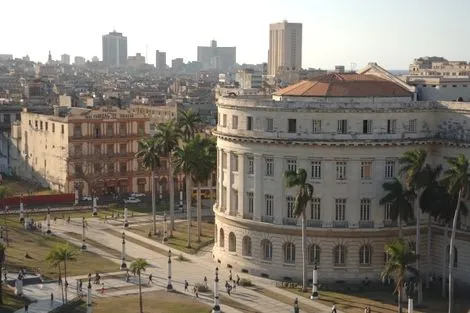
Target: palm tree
(413, 163)
(2, 261)
(137, 267)
(457, 180)
(188, 123)
(62, 253)
(400, 202)
(168, 136)
(186, 161)
(304, 195)
(400, 256)
(149, 154)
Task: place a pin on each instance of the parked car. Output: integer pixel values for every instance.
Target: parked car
(87, 198)
(138, 195)
(132, 200)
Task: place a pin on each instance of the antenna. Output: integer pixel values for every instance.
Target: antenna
(353, 66)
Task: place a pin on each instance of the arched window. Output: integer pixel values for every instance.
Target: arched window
(289, 252)
(267, 249)
(221, 238)
(314, 254)
(232, 242)
(339, 255)
(456, 256)
(246, 246)
(365, 255)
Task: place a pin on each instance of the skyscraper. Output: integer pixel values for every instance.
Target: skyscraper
(65, 59)
(285, 46)
(160, 60)
(217, 58)
(114, 49)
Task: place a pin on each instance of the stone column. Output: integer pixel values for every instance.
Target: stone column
(258, 209)
(216, 308)
(378, 211)
(95, 209)
(241, 184)
(328, 195)
(169, 286)
(123, 252)
(228, 209)
(280, 204)
(83, 234)
(220, 181)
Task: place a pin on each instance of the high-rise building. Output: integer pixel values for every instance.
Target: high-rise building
(285, 46)
(79, 61)
(160, 60)
(65, 59)
(114, 49)
(217, 58)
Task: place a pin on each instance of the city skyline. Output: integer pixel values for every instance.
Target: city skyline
(351, 33)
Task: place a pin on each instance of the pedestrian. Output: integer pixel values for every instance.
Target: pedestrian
(89, 276)
(60, 280)
(105, 219)
(128, 277)
(234, 285)
(230, 276)
(205, 281)
(55, 220)
(102, 288)
(80, 285)
(229, 289)
(52, 298)
(238, 280)
(186, 285)
(26, 307)
(150, 279)
(333, 308)
(5, 273)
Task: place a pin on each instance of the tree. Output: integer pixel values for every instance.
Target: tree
(303, 196)
(400, 257)
(457, 180)
(399, 199)
(91, 173)
(186, 161)
(413, 164)
(188, 123)
(62, 253)
(149, 154)
(137, 267)
(167, 137)
(2, 261)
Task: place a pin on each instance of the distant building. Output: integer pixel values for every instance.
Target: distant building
(285, 46)
(95, 59)
(177, 65)
(80, 61)
(65, 59)
(6, 57)
(136, 61)
(217, 58)
(160, 60)
(438, 66)
(114, 49)
(249, 79)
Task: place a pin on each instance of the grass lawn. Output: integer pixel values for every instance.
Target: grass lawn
(180, 235)
(155, 302)
(37, 245)
(11, 303)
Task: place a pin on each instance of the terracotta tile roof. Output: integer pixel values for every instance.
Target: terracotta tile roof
(345, 85)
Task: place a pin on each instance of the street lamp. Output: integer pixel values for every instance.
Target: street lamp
(165, 238)
(88, 298)
(126, 221)
(123, 252)
(21, 210)
(83, 234)
(314, 295)
(48, 221)
(216, 308)
(169, 286)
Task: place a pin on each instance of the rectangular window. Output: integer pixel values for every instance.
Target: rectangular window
(269, 162)
(235, 162)
(391, 126)
(388, 211)
(53, 127)
(249, 123)
(123, 167)
(367, 126)
(251, 165)
(342, 127)
(62, 129)
(316, 126)
(110, 168)
(290, 206)
(234, 122)
(224, 120)
(97, 168)
(109, 129)
(110, 148)
(341, 170)
(412, 126)
(250, 201)
(269, 199)
(315, 209)
(366, 170)
(269, 125)
(122, 129)
(122, 148)
(47, 124)
(292, 125)
(365, 210)
(389, 169)
(291, 165)
(316, 169)
(340, 209)
(77, 130)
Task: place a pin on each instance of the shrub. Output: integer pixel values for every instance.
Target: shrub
(201, 287)
(244, 270)
(286, 278)
(264, 275)
(182, 258)
(113, 206)
(229, 265)
(245, 282)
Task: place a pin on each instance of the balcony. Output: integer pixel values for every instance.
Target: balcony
(390, 223)
(267, 219)
(366, 224)
(340, 224)
(289, 221)
(314, 223)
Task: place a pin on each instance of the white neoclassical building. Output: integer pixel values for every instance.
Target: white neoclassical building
(347, 131)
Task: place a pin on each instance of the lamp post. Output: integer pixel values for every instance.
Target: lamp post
(296, 306)
(123, 252)
(88, 298)
(83, 234)
(95, 204)
(314, 295)
(165, 238)
(48, 220)
(216, 308)
(126, 221)
(21, 210)
(169, 286)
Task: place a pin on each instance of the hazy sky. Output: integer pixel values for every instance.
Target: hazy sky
(390, 32)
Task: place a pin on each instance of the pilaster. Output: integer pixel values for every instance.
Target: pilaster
(258, 190)
(241, 184)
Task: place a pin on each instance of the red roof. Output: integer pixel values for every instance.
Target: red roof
(345, 85)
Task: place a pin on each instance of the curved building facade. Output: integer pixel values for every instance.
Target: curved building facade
(347, 131)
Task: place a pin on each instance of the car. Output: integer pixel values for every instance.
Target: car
(138, 195)
(132, 200)
(88, 198)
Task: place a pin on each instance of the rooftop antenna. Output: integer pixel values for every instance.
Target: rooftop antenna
(353, 66)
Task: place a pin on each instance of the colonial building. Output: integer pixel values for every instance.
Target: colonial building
(347, 131)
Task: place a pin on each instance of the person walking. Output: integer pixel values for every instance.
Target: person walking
(150, 279)
(230, 276)
(102, 288)
(128, 277)
(80, 285)
(205, 281)
(333, 308)
(26, 307)
(52, 298)
(186, 285)
(238, 280)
